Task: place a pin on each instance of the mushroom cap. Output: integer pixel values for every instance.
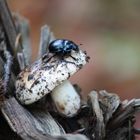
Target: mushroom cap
(45, 74)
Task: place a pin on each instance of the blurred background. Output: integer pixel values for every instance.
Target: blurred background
(108, 30)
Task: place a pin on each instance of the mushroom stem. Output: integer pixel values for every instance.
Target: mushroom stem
(66, 99)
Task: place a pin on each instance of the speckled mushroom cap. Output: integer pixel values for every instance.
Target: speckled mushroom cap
(43, 76)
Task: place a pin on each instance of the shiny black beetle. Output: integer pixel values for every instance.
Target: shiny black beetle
(62, 47)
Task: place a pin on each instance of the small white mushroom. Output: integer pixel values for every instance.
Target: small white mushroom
(46, 76)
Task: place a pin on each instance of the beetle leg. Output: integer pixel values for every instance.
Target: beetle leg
(63, 60)
(80, 66)
(46, 58)
(72, 57)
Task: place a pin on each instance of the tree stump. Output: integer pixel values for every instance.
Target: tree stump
(102, 117)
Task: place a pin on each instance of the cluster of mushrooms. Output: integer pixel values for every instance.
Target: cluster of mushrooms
(49, 75)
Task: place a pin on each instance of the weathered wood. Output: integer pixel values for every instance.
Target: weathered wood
(109, 103)
(21, 121)
(7, 69)
(116, 117)
(99, 132)
(23, 30)
(8, 24)
(5, 132)
(5, 64)
(10, 32)
(45, 38)
(33, 126)
(125, 112)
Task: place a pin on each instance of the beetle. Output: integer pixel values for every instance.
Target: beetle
(62, 47)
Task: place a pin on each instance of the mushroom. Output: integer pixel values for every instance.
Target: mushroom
(49, 74)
